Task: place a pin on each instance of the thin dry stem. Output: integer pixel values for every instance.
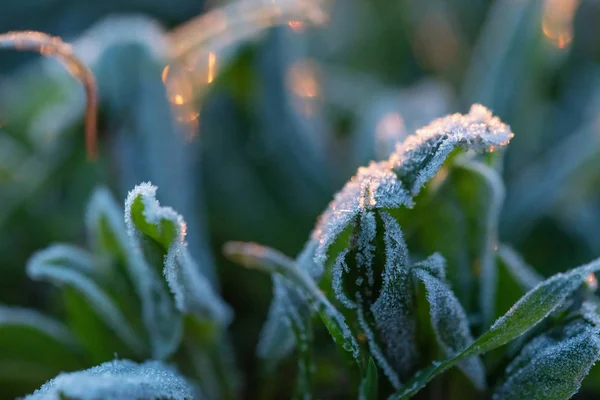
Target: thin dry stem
(54, 46)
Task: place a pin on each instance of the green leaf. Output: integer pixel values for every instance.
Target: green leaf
(252, 255)
(551, 367)
(369, 384)
(532, 308)
(515, 278)
(139, 290)
(118, 380)
(56, 265)
(33, 349)
(450, 324)
(158, 234)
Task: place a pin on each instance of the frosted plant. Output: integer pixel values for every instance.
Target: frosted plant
(395, 182)
(118, 380)
(552, 368)
(108, 234)
(358, 241)
(151, 226)
(137, 293)
(51, 266)
(392, 303)
(449, 321)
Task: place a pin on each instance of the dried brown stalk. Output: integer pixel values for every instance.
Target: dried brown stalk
(54, 46)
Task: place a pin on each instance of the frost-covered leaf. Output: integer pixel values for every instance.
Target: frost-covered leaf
(393, 183)
(450, 323)
(252, 255)
(532, 308)
(159, 236)
(33, 349)
(392, 323)
(117, 380)
(457, 216)
(276, 340)
(551, 367)
(108, 236)
(61, 265)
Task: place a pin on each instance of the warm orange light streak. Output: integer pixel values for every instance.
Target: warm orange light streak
(54, 46)
(165, 74)
(212, 61)
(557, 21)
(297, 26)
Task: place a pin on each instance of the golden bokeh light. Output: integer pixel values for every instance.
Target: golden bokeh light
(212, 61)
(302, 79)
(557, 21)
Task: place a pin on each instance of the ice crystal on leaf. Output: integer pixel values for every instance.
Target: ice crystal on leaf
(117, 380)
(551, 367)
(394, 183)
(156, 229)
(359, 242)
(450, 324)
(108, 235)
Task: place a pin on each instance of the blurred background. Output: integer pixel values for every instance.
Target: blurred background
(249, 115)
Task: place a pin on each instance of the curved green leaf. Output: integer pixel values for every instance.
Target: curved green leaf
(532, 308)
(118, 380)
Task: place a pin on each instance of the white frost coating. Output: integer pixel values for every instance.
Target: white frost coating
(306, 261)
(376, 351)
(394, 183)
(589, 310)
(276, 339)
(391, 310)
(366, 249)
(550, 370)
(375, 186)
(435, 264)
(39, 269)
(339, 268)
(162, 323)
(17, 316)
(192, 291)
(450, 324)
(117, 380)
(66, 255)
(421, 155)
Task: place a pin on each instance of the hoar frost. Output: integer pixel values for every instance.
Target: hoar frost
(394, 183)
(360, 212)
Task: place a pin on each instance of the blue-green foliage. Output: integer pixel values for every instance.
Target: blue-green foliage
(136, 293)
(410, 323)
(118, 380)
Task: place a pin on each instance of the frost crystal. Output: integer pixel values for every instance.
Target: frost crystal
(147, 220)
(551, 369)
(108, 234)
(394, 183)
(117, 380)
(391, 310)
(449, 322)
(359, 242)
